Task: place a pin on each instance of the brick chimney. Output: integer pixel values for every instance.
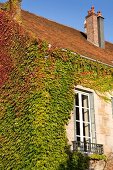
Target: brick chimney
(15, 9)
(94, 28)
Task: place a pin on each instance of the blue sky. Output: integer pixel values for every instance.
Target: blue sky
(72, 12)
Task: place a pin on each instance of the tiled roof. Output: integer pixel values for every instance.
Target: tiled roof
(62, 36)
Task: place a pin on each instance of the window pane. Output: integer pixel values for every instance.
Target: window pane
(85, 115)
(77, 114)
(78, 138)
(85, 101)
(86, 140)
(86, 129)
(77, 128)
(77, 100)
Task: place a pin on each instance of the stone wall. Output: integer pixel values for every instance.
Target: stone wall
(103, 121)
(101, 164)
(97, 165)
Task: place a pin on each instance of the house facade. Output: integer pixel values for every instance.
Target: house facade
(91, 121)
(90, 127)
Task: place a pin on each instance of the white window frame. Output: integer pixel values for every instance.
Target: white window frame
(80, 93)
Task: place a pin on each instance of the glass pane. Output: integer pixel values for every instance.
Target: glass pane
(77, 128)
(77, 100)
(78, 138)
(85, 101)
(85, 115)
(86, 140)
(77, 114)
(86, 129)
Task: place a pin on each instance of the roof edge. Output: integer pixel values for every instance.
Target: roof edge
(100, 62)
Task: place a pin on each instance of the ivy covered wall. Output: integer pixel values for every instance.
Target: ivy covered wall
(36, 98)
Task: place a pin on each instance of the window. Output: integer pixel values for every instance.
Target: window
(85, 129)
(84, 117)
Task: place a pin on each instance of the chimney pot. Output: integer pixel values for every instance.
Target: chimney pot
(92, 10)
(99, 14)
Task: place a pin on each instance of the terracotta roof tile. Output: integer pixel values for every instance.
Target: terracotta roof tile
(62, 36)
(65, 37)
